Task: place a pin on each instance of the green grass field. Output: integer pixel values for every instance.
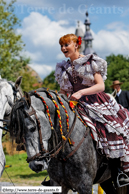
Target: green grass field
(19, 173)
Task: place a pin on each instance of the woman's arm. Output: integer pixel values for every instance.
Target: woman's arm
(98, 87)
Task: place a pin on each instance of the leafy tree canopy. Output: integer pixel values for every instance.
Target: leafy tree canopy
(29, 82)
(50, 82)
(118, 69)
(10, 43)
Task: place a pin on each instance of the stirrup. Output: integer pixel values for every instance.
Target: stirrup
(121, 174)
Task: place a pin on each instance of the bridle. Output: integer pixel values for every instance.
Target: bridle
(15, 91)
(42, 150)
(54, 152)
(44, 153)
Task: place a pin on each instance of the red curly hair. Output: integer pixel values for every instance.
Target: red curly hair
(68, 38)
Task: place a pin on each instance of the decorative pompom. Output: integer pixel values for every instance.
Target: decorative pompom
(63, 137)
(72, 104)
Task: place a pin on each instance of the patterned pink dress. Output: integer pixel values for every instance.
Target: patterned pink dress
(109, 121)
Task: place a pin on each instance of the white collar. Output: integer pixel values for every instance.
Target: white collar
(119, 92)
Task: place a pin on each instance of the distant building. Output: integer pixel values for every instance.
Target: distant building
(86, 37)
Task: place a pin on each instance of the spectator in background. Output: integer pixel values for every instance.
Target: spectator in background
(122, 97)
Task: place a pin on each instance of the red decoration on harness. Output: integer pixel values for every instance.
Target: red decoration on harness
(71, 104)
(92, 135)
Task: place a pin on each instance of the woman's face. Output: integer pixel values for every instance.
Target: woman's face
(69, 49)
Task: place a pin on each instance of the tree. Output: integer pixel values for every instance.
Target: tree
(10, 43)
(118, 69)
(50, 82)
(29, 82)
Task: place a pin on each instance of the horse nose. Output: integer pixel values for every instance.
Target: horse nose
(38, 166)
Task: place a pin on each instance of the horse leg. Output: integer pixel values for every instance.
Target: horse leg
(122, 190)
(64, 188)
(85, 187)
(107, 186)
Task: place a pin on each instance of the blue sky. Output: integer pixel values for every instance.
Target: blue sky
(43, 22)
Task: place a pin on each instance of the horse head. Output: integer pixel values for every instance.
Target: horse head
(30, 126)
(9, 92)
(12, 94)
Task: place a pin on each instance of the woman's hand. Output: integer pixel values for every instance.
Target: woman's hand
(76, 96)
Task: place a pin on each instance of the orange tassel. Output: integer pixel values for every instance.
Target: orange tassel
(63, 137)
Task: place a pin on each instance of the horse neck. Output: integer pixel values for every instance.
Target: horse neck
(5, 90)
(63, 116)
(3, 106)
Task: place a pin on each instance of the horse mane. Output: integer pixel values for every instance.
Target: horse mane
(1, 82)
(17, 114)
(17, 122)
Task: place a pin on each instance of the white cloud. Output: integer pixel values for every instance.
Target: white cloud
(60, 56)
(42, 31)
(34, 56)
(106, 42)
(41, 36)
(41, 69)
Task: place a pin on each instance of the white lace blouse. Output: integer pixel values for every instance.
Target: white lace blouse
(83, 69)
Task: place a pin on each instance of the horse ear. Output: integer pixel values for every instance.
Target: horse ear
(27, 98)
(18, 82)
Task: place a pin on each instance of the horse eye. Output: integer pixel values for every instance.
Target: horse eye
(32, 129)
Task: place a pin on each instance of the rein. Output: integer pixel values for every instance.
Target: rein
(14, 91)
(43, 153)
(5, 127)
(42, 150)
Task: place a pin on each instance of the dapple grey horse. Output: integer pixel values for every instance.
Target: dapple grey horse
(8, 91)
(57, 139)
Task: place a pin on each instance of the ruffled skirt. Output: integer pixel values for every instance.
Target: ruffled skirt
(109, 123)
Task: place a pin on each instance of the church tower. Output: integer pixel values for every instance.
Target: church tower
(87, 38)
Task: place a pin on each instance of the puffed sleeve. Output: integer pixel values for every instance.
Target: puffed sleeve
(99, 65)
(87, 66)
(62, 77)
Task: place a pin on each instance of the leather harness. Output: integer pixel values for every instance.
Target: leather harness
(54, 152)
